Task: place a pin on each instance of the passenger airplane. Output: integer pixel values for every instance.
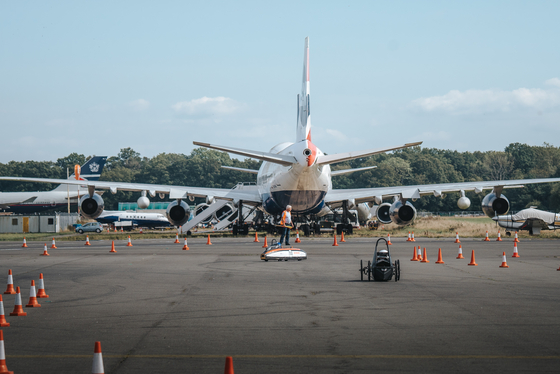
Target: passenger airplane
(299, 174)
(32, 202)
(137, 218)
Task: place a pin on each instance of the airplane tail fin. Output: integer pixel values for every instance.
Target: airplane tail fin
(91, 171)
(303, 131)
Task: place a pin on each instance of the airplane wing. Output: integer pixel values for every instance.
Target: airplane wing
(415, 192)
(247, 193)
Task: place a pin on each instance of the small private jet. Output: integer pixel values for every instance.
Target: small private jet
(533, 220)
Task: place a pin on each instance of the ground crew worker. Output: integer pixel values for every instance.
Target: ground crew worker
(286, 223)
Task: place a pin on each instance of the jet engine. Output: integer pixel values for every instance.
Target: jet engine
(91, 206)
(402, 214)
(493, 205)
(178, 213)
(383, 213)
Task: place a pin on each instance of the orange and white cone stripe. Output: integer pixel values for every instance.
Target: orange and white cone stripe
(487, 239)
(516, 240)
(45, 253)
(499, 237)
(389, 239)
(515, 253)
(412, 238)
(409, 237)
(53, 246)
(457, 238)
(3, 322)
(24, 243)
(129, 244)
(185, 247)
(18, 308)
(97, 367)
(297, 237)
(33, 297)
(87, 240)
(460, 254)
(3, 367)
(419, 253)
(177, 239)
(10, 289)
(504, 263)
(41, 294)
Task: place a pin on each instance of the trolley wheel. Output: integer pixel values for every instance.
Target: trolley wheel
(369, 271)
(397, 270)
(361, 270)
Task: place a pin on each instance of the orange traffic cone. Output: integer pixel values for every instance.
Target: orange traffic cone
(419, 252)
(412, 238)
(457, 238)
(515, 253)
(177, 239)
(439, 258)
(229, 365)
(297, 237)
(41, 294)
(45, 253)
(460, 254)
(335, 244)
(409, 237)
(208, 242)
(558, 268)
(129, 244)
(487, 239)
(24, 243)
(265, 245)
(116, 229)
(97, 367)
(10, 289)
(33, 297)
(499, 237)
(389, 239)
(256, 238)
(3, 367)
(516, 240)
(141, 232)
(3, 322)
(414, 257)
(87, 240)
(185, 247)
(53, 246)
(504, 263)
(342, 237)
(113, 250)
(472, 263)
(425, 257)
(18, 308)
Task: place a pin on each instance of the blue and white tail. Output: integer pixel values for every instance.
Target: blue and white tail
(304, 116)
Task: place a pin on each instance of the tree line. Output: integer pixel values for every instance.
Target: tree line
(411, 166)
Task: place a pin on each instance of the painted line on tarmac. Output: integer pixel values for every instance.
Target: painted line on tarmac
(479, 357)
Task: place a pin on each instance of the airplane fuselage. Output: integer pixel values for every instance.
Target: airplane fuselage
(31, 202)
(303, 185)
(137, 218)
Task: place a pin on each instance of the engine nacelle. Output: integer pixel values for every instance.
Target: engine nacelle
(178, 213)
(493, 205)
(383, 213)
(143, 202)
(402, 214)
(91, 206)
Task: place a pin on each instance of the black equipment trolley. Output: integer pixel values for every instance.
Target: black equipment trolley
(381, 268)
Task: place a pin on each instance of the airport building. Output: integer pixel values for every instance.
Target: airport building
(34, 223)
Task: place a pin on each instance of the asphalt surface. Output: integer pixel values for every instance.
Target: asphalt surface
(159, 309)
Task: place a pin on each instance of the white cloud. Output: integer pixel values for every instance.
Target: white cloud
(553, 82)
(477, 101)
(139, 105)
(208, 106)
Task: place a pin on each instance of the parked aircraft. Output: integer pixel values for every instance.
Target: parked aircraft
(299, 174)
(533, 220)
(32, 202)
(137, 218)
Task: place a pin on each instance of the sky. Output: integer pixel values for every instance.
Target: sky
(96, 77)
